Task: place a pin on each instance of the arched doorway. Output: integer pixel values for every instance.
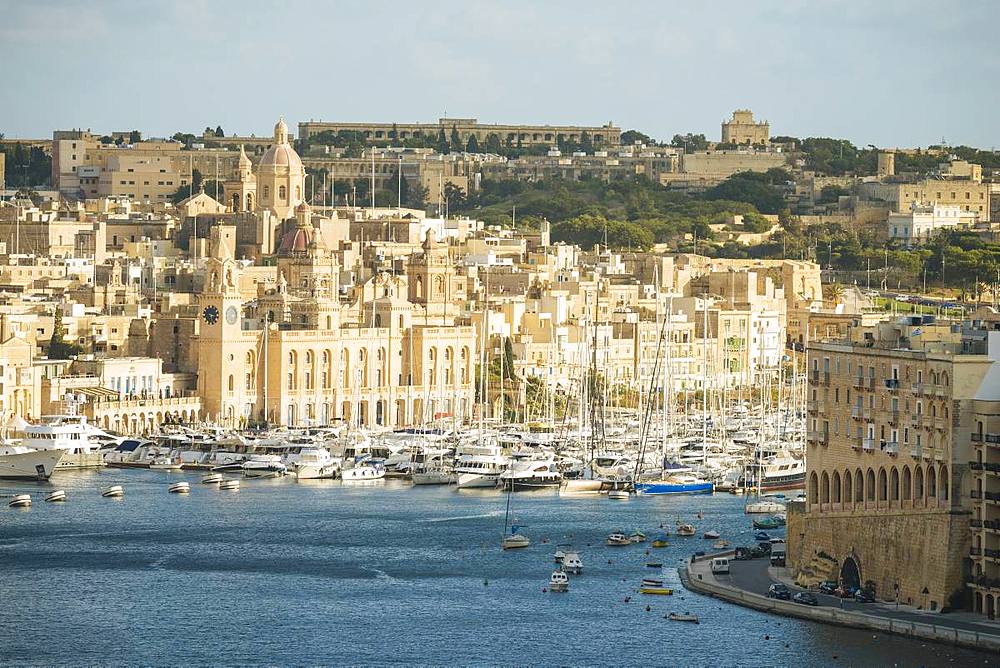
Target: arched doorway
(850, 574)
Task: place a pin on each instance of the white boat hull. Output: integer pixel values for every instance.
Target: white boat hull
(32, 465)
(580, 486)
(477, 481)
(433, 478)
(316, 472)
(81, 460)
(363, 473)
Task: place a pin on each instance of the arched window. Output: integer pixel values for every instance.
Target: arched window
(298, 191)
(824, 488)
(464, 361)
(236, 202)
(813, 488)
(345, 365)
(859, 487)
(894, 485)
(232, 383)
(282, 193)
(848, 487)
(918, 485)
(883, 485)
(931, 482)
(363, 366)
(835, 487)
(943, 482)
(267, 192)
(249, 202)
(907, 484)
(870, 486)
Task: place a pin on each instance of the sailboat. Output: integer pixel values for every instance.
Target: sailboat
(513, 540)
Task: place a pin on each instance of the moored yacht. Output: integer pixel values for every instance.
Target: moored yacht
(69, 433)
(18, 462)
(531, 474)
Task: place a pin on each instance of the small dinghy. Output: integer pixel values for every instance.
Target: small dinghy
(686, 617)
(618, 539)
(113, 492)
(182, 487)
(560, 553)
(660, 541)
(684, 529)
(654, 564)
(515, 541)
(231, 484)
(655, 587)
(559, 582)
(618, 495)
(20, 501)
(637, 537)
(572, 563)
(57, 495)
(721, 544)
(711, 535)
(212, 479)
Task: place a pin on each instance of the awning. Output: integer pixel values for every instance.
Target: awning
(94, 391)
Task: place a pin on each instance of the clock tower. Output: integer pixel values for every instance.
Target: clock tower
(221, 340)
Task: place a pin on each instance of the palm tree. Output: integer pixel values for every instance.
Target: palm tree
(833, 293)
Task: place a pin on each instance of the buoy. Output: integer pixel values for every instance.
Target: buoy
(767, 637)
(544, 590)
(628, 598)
(647, 608)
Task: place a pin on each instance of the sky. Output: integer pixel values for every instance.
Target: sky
(884, 72)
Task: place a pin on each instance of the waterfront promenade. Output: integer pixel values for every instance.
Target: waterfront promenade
(748, 582)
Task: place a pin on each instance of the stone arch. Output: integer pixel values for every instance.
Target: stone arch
(850, 573)
(894, 485)
(813, 488)
(835, 487)
(859, 487)
(870, 485)
(848, 486)
(931, 482)
(907, 484)
(824, 488)
(282, 193)
(236, 202)
(943, 483)
(883, 485)
(249, 201)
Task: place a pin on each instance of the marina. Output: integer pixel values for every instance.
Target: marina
(387, 557)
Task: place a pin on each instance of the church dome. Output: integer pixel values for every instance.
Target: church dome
(281, 154)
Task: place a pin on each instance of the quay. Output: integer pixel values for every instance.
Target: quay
(748, 581)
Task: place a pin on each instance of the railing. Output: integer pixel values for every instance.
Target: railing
(892, 447)
(992, 438)
(812, 406)
(826, 378)
(894, 417)
(892, 384)
(975, 494)
(868, 444)
(975, 552)
(976, 437)
(814, 376)
(859, 382)
(858, 413)
(977, 466)
(917, 388)
(915, 451)
(871, 383)
(976, 524)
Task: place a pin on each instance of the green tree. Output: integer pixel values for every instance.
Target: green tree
(455, 195)
(690, 142)
(456, 139)
(134, 137)
(493, 143)
(442, 142)
(630, 137)
(219, 132)
(414, 195)
(59, 348)
(473, 144)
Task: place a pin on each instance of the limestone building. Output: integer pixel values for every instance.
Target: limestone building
(890, 410)
(741, 129)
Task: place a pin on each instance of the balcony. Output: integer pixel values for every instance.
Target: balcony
(871, 383)
(941, 424)
(915, 451)
(976, 438)
(826, 378)
(868, 444)
(858, 413)
(814, 377)
(916, 420)
(976, 524)
(892, 384)
(993, 439)
(975, 552)
(859, 383)
(977, 466)
(894, 417)
(975, 494)
(892, 447)
(917, 388)
(812, 406)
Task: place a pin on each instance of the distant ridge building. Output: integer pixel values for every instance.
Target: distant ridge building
(741, 129)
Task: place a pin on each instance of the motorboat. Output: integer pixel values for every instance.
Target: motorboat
(764, 507)
(559, 582)
(315, 464)
(637, 537)
(182, 487)
(18, 462)
(572, 563)
(581, 486)
(166, 464)
(432, 476)
(560, 554)
(762, 536)
(721, 544)
(768, 523)
(675, 484)
(531, 474)
(514, 541)
(711, 535)
(56, 496)
(654, 564)
(135, 454)
(231, 484)
(617, 539)
(113, 492)
(686, 617)
(618, 495)
(264, 465)
(479, 465)
(660, 541)
(365, 469)
(20, 501)
(72, 435)
(655, 587)
(212, 479)
(684, 529)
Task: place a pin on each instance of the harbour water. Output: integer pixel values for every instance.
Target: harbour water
(286, 572)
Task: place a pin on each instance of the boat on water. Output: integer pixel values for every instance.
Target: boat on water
(559, 582)
(514, 541)
(71, 434)
(113, 492)
(654, 564)
(764, 507)
(230, 484)
(20, 501)
(721, 544)
(676, 484)
(56, 496)
(711, 535)
(685, 529)
(181, 487)
(363, 469)
(212, 479)
(572, 563)
(654, 586)
(166, 464)
(637, 537)
(582, 486)
(686, 617)
(315, 463)
(768, 523)
(618, 495)
(18, 462)
(783, 472)
(660, 541)
(617, 539)
(531, 474)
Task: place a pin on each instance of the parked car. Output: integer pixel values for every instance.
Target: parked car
(828, 587)
(864, 596)
(779, 591)
(805, 598)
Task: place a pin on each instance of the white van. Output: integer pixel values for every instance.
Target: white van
(720, 565)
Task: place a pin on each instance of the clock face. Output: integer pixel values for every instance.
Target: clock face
(211, 315)
(232, 314)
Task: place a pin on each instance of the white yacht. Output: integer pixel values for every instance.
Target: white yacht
(315, 464)
(479, 466)
(18, 462)
(72, 435)
(531, 474)
(363, 469)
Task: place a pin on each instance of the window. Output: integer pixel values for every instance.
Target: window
(281, 193)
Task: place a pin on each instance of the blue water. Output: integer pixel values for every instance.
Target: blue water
(282, 572)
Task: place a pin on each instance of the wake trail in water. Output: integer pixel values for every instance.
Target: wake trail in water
(460, 518)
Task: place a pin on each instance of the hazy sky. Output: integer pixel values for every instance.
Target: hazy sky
(875, 71)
